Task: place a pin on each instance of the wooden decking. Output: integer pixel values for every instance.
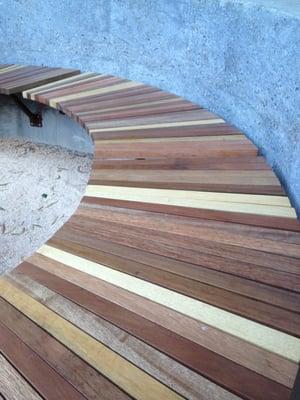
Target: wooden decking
(179, 274)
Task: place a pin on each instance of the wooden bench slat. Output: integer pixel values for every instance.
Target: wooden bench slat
(185, 248)
(158, 336)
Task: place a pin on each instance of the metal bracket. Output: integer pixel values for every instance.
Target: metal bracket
(35, 119)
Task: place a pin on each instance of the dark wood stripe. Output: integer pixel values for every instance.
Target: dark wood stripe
(42, 77)
(87, 101)
(262, 292)
(229, 163)
(159, 243)
(280, 223)
(43, 378)
(209, 180)
(88, 382)
(20, 74)
(100, 82)
(224, 372)
(267, 314)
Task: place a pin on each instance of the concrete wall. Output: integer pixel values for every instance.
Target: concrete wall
(237, 58)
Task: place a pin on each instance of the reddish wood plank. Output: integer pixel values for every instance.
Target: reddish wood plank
(255, 290)
(228, 163)
(43, 378)
(267, 314)
(280, 223)
(88, 382)
(220, 370)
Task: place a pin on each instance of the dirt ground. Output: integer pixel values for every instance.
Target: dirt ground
(40, 188)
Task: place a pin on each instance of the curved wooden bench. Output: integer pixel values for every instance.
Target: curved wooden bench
(177, 277)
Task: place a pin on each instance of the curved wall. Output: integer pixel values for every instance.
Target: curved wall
(237, 58)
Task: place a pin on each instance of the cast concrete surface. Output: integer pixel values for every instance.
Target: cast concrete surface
(240, 58)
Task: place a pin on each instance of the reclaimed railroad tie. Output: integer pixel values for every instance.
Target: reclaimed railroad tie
(179, 274)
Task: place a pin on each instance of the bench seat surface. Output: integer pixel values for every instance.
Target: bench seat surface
(177, 277)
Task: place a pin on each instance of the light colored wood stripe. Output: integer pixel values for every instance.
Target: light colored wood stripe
(255, 333)
(149, 103)
(238, 350)
(62, 83)
(12, 385)
(130, 378)
(11, 69)
(93, 92)
(220, 138)
(250, 204)
(127, 193)
(183, 380)
(161, 125)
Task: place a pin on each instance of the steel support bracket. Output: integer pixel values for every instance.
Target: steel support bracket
(35, 119)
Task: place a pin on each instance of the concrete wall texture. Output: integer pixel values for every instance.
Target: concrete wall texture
(238, 58)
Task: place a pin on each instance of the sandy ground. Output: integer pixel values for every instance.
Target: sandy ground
(40, 188)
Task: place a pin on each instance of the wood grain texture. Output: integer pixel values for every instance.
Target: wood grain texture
(20, 389)
(88, 382)
(122, 373)
(283, 223)
(207, 336)
(49, 384)
(179, 274)
(252, 309)
(223, 371)
(271, 241)
(165, 369)
(109, 250)
(16, 80)
(251, 204)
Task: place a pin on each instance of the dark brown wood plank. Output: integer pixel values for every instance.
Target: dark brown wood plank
(237, 236)
(42, 78)
(280, 223)
(255, 290)
(229, 163)
(267, 314)
(226, 373)
(97, 83)
(156, 243)
(40, 375)
(201, 130)
(74, 370)
(252, 182)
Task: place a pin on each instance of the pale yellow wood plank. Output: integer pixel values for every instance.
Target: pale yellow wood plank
(267, 338)
(236, 349)
(31, 93)
(183, 380)
(130, 378)
(93, 92)
(184, 195)
(160, 125)
(11, 68)
(243, 203)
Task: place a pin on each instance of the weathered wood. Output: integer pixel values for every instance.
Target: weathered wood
(88, 382)
(48, 383)
(122, 373)
(173, 374)
(12, 385)
(160, 314)
(182, 261)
